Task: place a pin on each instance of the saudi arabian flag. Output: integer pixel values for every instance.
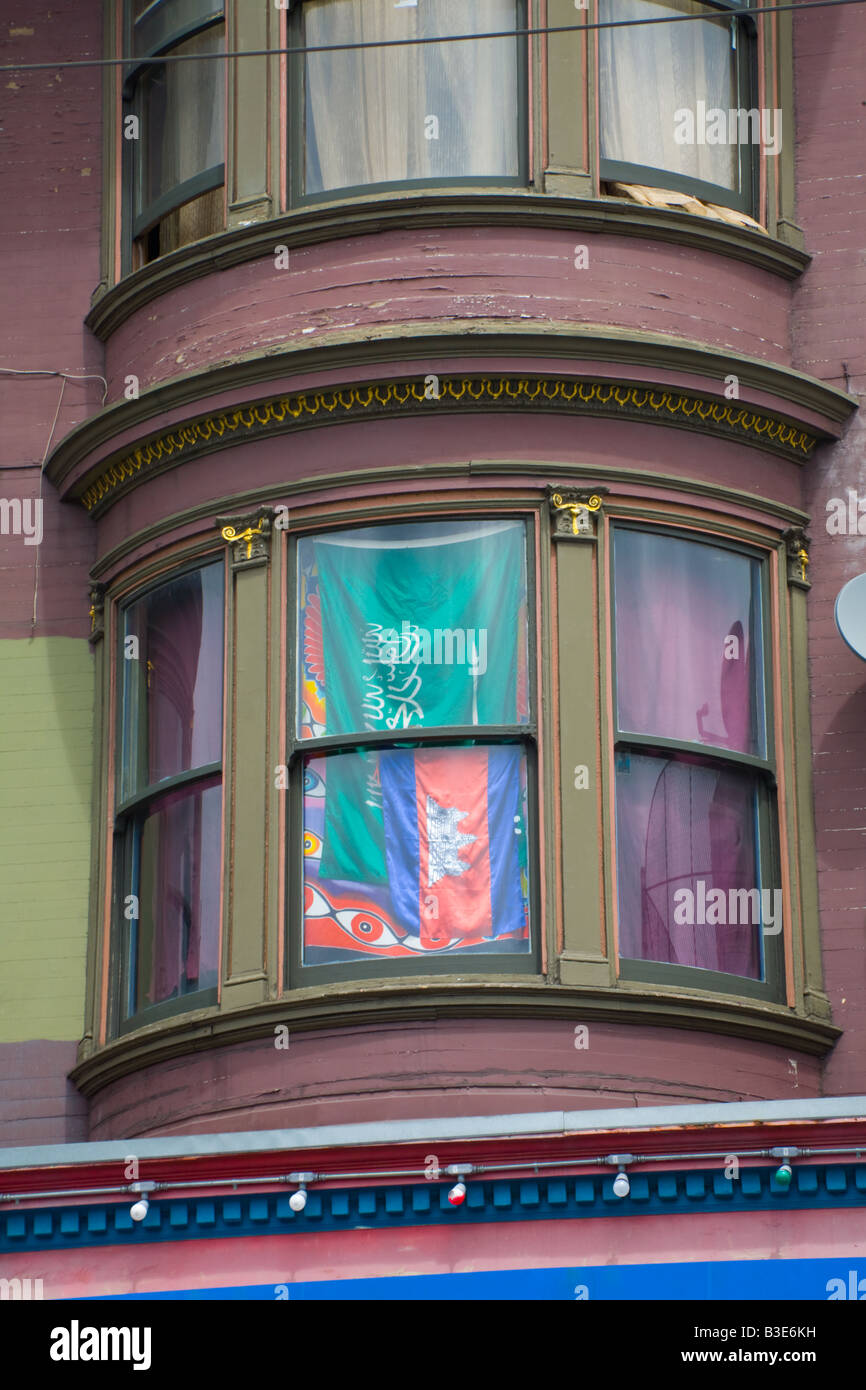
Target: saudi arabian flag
(423, 626)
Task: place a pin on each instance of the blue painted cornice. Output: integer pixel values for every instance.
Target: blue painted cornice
(426, 1204)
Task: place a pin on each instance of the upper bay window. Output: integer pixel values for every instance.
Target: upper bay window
(175, 114)
(671, 97)
(696, 841)
(353, 99)
(413, 749)
(169, 796)
(415, 113)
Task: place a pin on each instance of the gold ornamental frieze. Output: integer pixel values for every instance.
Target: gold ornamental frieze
(609, 399)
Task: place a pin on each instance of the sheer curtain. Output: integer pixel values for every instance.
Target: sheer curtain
(648, 73)
(688, 668)
(685, 614)
(680, 826)
(183, 117)
(367, 110)
(179, 923)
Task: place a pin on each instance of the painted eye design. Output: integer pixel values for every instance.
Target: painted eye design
(314, 785)
(312, 845)
(366, 927)
(315, 903)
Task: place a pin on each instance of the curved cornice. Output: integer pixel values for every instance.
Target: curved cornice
(381, 399)
(611, 399)
(398, 212)
(797, 393)
(409, 1002)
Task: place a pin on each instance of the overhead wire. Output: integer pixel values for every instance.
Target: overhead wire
(724, 15)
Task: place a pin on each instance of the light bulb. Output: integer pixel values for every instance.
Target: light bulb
(457, 1195)
(138, 1211)
(784, 1175)
(298, 1200)
(621, 1184)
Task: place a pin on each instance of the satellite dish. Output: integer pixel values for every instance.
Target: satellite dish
(851, 614)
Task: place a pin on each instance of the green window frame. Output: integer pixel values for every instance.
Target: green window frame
(709, 758)
(522, 735)
(744, 47)
(297, 105)
(163, 27)
(146, 803)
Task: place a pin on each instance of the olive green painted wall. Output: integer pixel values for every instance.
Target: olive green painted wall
(46, 752)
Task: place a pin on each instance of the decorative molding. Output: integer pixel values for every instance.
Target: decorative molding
(553, 347)
(226, 1215)
(359, 1004)
(249, 537)
(336, 218)
(573, 512)
(97, 612)
(797, 544)
(605, 398)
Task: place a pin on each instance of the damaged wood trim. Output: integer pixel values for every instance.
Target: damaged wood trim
(400, 212)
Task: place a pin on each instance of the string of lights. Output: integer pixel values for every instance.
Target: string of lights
(723, 15)
(302, 1180)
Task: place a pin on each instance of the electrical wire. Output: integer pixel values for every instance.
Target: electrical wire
(528, 1166)
(67, 376)
(725, 15)
(39, 505)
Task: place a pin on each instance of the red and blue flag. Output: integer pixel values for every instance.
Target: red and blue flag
(452, 820)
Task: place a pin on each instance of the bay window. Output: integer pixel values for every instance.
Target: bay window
(169, 797)
(696, 845)
(415, 114)
(413, 749)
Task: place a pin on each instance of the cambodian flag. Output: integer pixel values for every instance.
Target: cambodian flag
(452, 819)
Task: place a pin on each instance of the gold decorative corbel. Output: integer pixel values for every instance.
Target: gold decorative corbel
(249, 536)
(96, 612)
(572, 512)
(797, 551)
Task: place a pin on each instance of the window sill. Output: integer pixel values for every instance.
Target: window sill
(397, 211)
(372, 1002)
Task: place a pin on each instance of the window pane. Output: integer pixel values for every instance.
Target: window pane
(174, 943)
(182, 108)
(648, 73)
(689, 646)
(688, 866)
(429, 111)
(414, 625)
(172, 680)
(415, 852)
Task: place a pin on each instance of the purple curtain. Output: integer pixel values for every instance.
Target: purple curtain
(685, 668)
(180, 889)
(684, 832)
(182, 627)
